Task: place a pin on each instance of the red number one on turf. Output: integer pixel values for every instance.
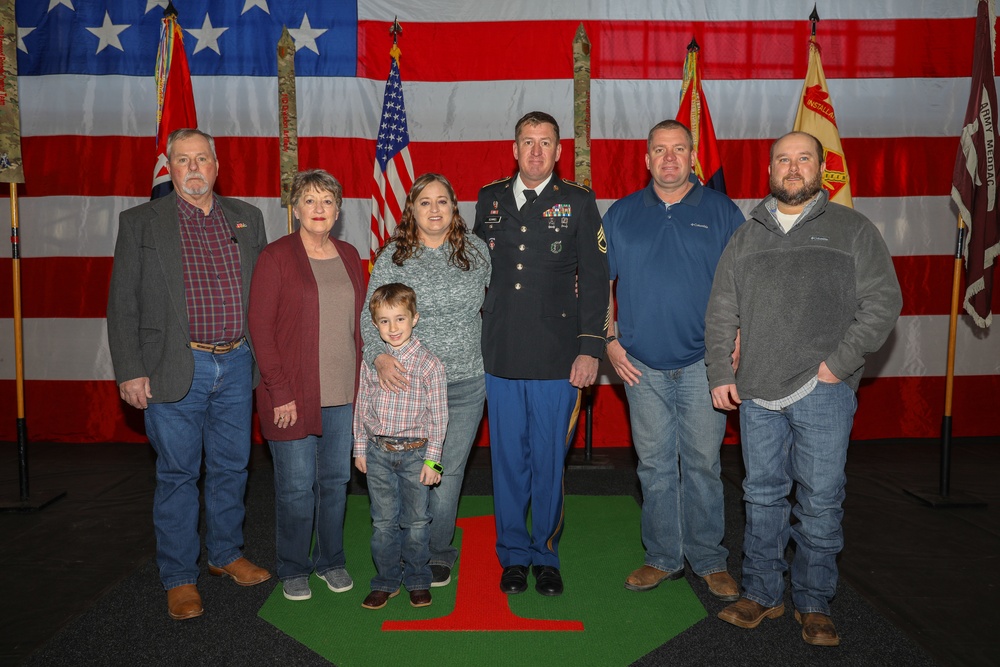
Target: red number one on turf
(479, 603)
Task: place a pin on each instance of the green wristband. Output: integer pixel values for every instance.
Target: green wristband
(434, 465)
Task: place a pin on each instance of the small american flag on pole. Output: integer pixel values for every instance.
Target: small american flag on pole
(393, 176)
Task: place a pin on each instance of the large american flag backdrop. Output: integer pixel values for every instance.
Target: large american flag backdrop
(898, 71)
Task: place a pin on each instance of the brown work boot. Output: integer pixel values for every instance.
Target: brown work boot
(746, 613)
(817, 629)
(184, 602)
(722, 586)
(647, 578)
(242, 572)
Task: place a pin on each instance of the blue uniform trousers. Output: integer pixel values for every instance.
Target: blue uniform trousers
(531, 428)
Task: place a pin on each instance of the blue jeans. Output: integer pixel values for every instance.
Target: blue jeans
(214, 418)
(805, 443)
(400, 531)
(465, 412)
(677, 435)
(310, 495)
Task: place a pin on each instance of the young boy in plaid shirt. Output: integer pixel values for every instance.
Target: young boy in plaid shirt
(397, 444)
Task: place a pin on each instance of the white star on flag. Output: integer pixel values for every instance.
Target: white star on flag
(108, 33)
(207, 36)
(21, 34)
(250, 4)
(55, 3)
(155, 3)
(305, 35)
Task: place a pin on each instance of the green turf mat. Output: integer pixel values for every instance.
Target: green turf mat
(595, 622)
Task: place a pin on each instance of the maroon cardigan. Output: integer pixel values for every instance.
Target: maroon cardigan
(284, 324)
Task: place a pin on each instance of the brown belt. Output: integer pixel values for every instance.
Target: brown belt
(221, 348)
(398, 444)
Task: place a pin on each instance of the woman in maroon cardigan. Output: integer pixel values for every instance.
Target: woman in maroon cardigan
(305, 302)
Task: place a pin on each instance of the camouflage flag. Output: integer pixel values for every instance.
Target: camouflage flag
(581, 106)
(11, 170)
(288, 128)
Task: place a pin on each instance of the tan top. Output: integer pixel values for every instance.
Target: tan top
(336, 331)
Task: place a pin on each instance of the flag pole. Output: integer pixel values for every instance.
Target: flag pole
(12, 173)
(582, 174)
(288, 133)
(943, 497)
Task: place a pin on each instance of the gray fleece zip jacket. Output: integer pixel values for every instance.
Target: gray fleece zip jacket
(825, 291)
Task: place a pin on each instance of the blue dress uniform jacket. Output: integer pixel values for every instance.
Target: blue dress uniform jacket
(534, 321)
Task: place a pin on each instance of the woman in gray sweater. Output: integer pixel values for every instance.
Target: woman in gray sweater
(449, 269)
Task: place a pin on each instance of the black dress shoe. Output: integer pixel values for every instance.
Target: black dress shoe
(514, 579)
(548, 581)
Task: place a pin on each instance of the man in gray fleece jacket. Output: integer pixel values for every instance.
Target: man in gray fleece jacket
(810, 287)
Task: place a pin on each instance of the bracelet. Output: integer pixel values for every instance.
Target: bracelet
(435, 466)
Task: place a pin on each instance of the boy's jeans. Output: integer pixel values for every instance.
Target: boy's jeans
(400, 522)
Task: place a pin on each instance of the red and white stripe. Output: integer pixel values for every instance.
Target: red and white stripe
(899, 71)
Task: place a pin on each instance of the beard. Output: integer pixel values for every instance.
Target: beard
(809, 189)
(198, 187)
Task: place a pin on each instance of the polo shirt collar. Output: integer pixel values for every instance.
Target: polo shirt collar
(692, 198)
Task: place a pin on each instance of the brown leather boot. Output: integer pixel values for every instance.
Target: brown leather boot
(184, 602)
(242, 572)
(746, 613)
(817, 629)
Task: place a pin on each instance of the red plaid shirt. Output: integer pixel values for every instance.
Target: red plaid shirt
(212, 276)
(418, 412)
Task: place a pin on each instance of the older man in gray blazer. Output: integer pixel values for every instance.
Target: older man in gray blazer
(181, 353)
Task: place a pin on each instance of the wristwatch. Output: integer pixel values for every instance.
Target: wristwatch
(609, 340)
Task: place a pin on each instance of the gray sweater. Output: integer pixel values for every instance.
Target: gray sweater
(825, 291)
(448, 300)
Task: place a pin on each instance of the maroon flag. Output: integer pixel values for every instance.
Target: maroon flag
(175, 100)
(974, 187)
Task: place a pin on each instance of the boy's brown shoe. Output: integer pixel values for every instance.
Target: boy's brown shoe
(378, 599)
(420, 598)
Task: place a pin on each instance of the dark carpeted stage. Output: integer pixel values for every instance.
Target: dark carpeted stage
(81, 588)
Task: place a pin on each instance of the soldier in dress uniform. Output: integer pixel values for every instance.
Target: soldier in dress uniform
(544, 320)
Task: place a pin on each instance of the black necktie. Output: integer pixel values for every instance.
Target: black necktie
(529, 196)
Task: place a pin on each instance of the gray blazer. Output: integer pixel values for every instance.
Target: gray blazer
(148, 330)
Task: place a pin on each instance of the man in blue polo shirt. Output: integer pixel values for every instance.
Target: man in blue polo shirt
(664, 242)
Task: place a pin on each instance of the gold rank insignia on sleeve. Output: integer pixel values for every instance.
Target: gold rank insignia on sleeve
(602, 241)
(579, 185)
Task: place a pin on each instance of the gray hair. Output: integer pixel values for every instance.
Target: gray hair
(318, 179)
(187, 133)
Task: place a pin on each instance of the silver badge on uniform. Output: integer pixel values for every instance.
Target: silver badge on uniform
(556, 247)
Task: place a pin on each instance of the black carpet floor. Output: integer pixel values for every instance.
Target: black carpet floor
(81, 587)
